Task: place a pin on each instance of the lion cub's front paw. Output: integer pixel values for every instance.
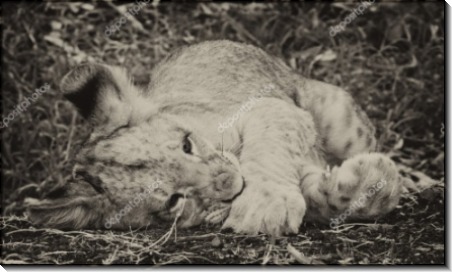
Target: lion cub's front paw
(273, 211)
(364, 186)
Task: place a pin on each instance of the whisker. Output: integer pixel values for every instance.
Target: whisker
(222, 143)
(235, 147)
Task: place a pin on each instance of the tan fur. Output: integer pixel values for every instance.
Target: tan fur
(280, 144)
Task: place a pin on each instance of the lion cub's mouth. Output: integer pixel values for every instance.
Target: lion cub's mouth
(82, 175)
(236, 195)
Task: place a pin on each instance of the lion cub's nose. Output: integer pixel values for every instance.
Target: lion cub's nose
(223, 181)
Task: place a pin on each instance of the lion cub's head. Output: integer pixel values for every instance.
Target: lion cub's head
(138, 164)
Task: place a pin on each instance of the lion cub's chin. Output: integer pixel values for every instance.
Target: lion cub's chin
(190, 213)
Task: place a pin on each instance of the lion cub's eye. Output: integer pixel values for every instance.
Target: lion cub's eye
(187, 145)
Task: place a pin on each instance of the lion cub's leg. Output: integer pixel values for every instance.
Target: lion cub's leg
(348, 136)
(342, 125)
(276, 137)
(363, 187)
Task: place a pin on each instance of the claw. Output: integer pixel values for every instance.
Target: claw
(327, 174)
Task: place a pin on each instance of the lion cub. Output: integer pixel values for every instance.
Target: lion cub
(230, 134)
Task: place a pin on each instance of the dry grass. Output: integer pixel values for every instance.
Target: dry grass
(391, 59)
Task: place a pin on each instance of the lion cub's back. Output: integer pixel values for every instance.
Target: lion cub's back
(220, 71)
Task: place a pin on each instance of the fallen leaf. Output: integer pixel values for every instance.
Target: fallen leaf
(328, 55)
(56, 25)
(307, 53)
(216, 242)
(399, 145)
(87, 7)
(300, 258)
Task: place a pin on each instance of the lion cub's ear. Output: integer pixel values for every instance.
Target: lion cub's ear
(104, 95)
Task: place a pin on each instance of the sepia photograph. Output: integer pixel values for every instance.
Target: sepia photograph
(271, 133)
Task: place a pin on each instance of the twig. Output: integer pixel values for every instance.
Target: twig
(240, 29)
(299, 257)
(71, 134)
(165, 237)
(266, 258)
(198, 237)
(135, 23)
